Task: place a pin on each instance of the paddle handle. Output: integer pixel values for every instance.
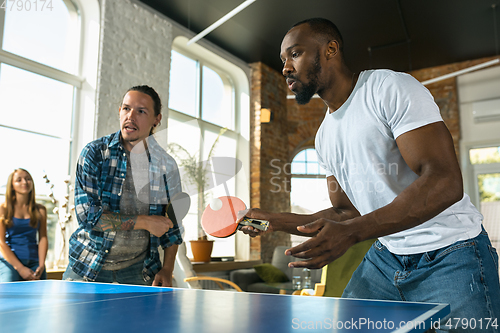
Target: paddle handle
(257, 224)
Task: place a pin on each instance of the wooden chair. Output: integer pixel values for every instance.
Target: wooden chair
(218, 281)
(186, 277)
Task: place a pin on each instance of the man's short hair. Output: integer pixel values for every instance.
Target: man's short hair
(324, 29)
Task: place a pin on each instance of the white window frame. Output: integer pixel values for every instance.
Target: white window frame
(226, 79)
(84, 96)
(211, 57)
(295, 239)
(295, 175)
(471, 171)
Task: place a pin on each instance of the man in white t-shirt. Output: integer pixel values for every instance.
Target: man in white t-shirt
(392, 174)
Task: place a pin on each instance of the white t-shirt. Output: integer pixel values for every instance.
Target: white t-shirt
(357, 145)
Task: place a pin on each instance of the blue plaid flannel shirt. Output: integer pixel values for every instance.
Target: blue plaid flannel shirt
(100, 174)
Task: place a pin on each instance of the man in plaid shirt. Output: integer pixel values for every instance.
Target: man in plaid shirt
(123, 183)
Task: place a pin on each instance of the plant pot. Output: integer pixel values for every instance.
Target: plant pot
(202, 250)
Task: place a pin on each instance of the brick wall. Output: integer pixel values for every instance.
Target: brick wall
(135, 49)
(303, 121)
(270, 184)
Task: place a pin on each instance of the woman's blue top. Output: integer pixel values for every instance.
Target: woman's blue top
(22, 239)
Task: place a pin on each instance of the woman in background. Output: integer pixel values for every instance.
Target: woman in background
(21, 219)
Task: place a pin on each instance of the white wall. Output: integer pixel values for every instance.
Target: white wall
(85, 99)
(474, 87)
(135, 49)
(478, 86)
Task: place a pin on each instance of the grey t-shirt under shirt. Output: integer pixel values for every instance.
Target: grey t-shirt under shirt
(131, 246)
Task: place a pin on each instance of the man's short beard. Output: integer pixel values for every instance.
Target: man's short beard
(307, 92)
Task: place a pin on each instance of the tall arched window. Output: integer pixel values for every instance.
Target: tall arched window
(309, 192)
(44, 85)
(209, 95)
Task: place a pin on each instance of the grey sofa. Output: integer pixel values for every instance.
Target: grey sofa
(248, 279)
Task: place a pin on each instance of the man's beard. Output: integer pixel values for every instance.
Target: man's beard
(304, 95)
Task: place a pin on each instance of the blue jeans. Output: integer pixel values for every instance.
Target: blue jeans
(9, 274)
(464, 275)
(128, 275)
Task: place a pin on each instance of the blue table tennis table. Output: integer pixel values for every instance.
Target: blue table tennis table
(84, 307)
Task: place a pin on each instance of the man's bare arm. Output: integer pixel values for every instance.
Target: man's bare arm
(430, 153)
(164, 276)
(342, 209)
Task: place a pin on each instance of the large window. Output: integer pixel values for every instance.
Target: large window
(205, 107)
(309, 191)
(201, 91)
(40, 94)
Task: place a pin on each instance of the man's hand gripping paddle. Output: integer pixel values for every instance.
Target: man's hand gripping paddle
(220, 216)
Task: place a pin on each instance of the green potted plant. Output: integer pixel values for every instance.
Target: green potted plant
(195, 172)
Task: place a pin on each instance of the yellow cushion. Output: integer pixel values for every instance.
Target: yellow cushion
(270, 273)
(337, 274)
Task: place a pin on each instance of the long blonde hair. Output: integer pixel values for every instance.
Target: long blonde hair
(10, 199)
